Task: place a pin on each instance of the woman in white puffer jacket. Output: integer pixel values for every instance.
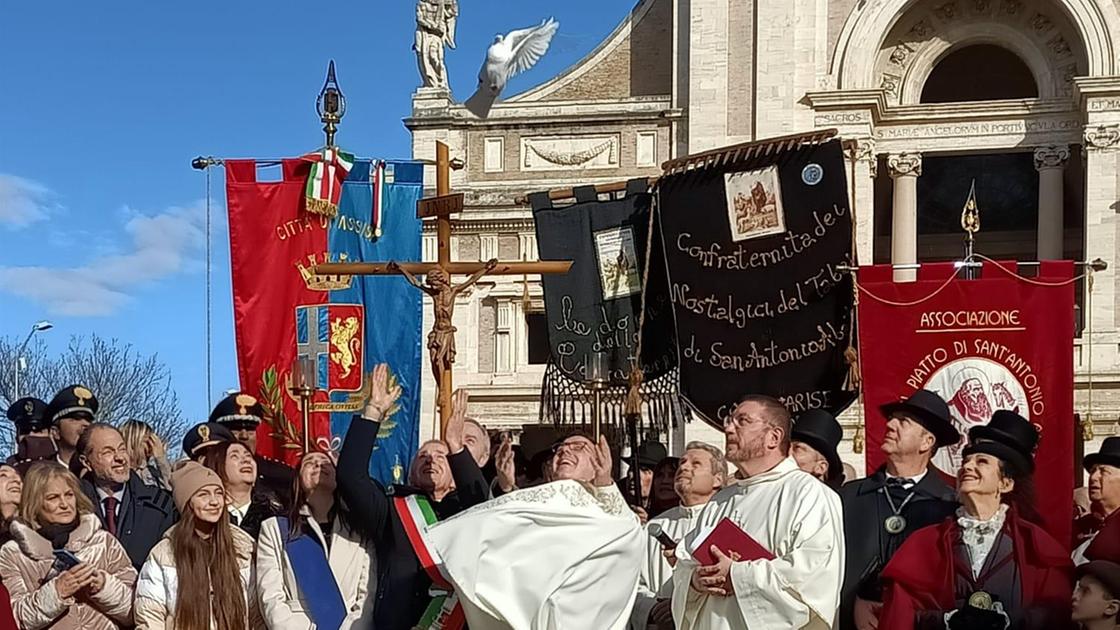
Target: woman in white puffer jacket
(199, 576)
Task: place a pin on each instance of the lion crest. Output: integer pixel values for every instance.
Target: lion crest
(345, 343)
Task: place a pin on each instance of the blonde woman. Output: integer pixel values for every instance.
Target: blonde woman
(147, 453)
(63, 571)
(199, 576)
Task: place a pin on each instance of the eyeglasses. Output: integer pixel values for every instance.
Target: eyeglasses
(578, 446)
(737, 420)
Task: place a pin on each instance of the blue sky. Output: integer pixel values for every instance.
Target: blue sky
(102, 220)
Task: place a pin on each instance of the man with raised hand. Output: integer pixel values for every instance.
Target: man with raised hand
(443, 480)
(557, 556)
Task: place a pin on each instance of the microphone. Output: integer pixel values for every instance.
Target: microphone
(659, 534)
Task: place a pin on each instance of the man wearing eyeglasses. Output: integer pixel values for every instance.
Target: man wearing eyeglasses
(135, 513)
(794, 517)
(536, 558)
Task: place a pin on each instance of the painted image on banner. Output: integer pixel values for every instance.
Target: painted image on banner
(618, 263)
(974, 388)
(754, 204)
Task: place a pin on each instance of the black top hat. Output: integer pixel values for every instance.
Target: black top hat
(820, 430)
(75, 401)
(29, 414)
(1107, 572)
(930, 411)
(650, 453)
(203, 435)
(238, 411)
(1008, 436)
(1109, 454)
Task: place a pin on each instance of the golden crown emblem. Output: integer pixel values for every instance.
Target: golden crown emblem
(323, 282)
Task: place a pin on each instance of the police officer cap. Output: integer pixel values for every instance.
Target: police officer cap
(238, 411)
(29, 414)
(75, 401)
(203, 435)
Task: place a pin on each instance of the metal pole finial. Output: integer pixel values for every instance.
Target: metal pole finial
(331, 105)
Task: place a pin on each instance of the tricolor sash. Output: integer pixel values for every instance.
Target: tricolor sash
(329, 168)
(444, 612)
(314, 577)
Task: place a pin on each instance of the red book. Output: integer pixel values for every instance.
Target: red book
(731, 539)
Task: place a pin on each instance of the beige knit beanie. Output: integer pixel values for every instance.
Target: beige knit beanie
(188, 478)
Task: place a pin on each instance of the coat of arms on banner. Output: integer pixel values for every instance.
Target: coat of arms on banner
(974, 388)
(331, 335)
(754, 204)
(618, 264)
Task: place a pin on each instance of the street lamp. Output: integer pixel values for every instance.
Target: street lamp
(20, 361)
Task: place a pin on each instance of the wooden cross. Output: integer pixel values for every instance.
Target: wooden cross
(441, 340)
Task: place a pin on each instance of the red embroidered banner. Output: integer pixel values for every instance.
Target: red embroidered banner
(269, 236)
(997, 342)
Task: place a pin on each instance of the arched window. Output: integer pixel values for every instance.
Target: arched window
(981, 72)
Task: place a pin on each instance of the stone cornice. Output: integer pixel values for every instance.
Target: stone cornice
(464, 224)
(1020, 108)
(874, 102)
(1085, 87)
(543, 113)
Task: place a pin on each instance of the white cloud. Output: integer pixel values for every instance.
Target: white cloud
(23, 202)
(161, 246)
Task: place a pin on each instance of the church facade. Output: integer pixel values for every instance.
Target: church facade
(1022, 96)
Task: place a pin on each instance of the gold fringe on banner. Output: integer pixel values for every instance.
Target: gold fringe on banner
(321, 206)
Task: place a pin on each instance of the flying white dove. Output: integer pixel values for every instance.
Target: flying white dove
(509, 55)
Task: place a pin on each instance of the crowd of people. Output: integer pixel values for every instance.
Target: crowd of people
(98, 529)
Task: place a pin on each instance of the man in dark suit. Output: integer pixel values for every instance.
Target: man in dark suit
(135, 513)
(902, 496)
(444, 475)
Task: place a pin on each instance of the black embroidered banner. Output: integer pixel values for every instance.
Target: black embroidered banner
(595, 307)
(752, 252)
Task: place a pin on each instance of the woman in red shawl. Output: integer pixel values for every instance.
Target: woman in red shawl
(989, 566)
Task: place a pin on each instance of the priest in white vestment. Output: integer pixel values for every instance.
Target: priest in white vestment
(701, 473)
(787, 511)
(560, 556)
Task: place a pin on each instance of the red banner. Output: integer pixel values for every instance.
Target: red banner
(997, 342)
(268, 231)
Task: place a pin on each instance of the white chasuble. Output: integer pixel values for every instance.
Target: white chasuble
(799, 520)
(555, 557)
(656, 581)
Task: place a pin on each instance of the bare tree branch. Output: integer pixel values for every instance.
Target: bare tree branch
(128, 385)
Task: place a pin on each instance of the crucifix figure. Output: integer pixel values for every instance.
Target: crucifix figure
(441, 341)
(437, 284)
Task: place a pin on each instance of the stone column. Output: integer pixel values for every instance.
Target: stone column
(1102, 189)
(864, 162)
(1050, 162)
(905, 168)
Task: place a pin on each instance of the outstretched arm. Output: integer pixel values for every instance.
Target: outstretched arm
(475, 277)
(471, 486)
(393, 267)
(365, 497)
